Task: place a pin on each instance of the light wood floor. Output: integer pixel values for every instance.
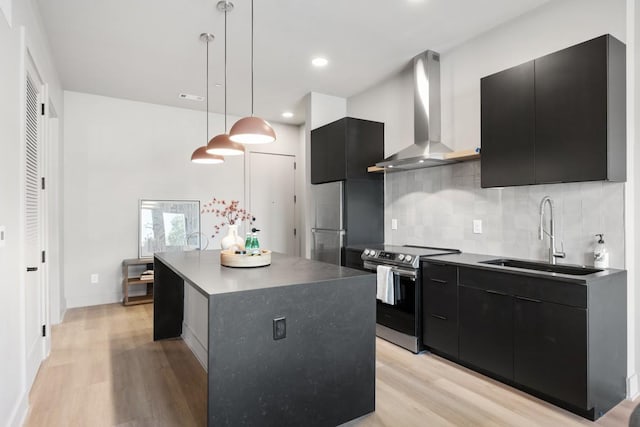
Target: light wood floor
(105, 370)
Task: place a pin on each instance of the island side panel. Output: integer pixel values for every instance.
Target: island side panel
(168, 302)
(321, 374)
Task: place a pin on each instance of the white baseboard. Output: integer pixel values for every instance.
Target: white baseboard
(192, 341)
(96, 299)
(632, 387)
(20, 411)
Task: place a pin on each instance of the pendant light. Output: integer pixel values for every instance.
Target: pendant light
(252, 130)
(200, 155)
(221, 144)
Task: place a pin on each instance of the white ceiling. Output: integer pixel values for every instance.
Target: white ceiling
(149, 50)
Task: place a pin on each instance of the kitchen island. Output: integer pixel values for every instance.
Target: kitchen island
(288, 344)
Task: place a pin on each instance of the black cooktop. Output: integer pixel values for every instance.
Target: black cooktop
(420, 251)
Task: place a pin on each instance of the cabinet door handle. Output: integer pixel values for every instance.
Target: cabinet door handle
(490, 291)
(437, 316)
(30, 269)
(528, 299)
(439, 281)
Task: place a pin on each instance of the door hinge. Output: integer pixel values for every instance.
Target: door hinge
(295, 232)
(295, 199)
(44, 330)
(44, 256)
(42, 109)
(294, 165)
(42, 180)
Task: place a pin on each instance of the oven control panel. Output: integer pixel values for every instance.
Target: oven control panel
(383, 257)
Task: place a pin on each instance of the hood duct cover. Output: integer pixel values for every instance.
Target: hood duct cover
(427, 149)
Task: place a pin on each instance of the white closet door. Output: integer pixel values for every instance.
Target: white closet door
(34, 294)
(271, 195)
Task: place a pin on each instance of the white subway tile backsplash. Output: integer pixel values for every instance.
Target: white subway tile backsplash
(436, 207)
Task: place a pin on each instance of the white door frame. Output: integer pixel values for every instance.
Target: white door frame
(247, 191)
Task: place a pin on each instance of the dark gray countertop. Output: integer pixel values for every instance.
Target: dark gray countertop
(202, 269)
(475, 261)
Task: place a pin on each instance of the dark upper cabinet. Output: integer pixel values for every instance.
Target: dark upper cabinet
(550, 349)
(486, 330)
(573, 129)
(344, 149)
(508, 124)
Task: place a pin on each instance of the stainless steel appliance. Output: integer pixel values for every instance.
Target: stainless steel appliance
(328, 233)
(401, 323)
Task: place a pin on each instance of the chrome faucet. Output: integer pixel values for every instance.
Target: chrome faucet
(553, 254)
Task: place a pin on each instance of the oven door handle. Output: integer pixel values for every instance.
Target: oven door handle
(411, 274)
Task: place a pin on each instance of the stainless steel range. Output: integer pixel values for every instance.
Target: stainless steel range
(400, 321)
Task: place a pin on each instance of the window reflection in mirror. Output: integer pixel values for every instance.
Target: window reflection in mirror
(168, 225)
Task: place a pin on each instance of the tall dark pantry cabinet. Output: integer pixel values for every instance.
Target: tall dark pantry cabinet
(341, 151)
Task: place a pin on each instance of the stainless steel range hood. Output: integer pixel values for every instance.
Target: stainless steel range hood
(427, 149)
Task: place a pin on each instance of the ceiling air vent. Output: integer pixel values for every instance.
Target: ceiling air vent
(191, 97)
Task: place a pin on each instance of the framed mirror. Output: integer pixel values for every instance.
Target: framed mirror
(167, 226)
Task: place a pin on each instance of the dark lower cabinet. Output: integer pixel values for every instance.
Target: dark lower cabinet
(352, 258)
(486, 330)
(561, 340)
(550, 349)
(440, 308)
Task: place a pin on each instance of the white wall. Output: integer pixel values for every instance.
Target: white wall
(556, 25)
(119, 151)
(24, 16)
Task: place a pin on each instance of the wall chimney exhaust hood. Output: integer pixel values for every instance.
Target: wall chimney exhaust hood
(427, 149)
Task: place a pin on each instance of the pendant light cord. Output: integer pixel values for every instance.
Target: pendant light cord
(206, 139)
(225, 70)
(251, 58)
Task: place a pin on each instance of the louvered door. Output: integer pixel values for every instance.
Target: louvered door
(33, 120)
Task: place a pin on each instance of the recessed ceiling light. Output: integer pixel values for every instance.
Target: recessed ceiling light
(287, 114)
(319, 61)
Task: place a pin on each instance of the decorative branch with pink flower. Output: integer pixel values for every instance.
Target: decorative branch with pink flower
(231, 213)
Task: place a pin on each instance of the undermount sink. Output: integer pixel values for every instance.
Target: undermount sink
(542, 266)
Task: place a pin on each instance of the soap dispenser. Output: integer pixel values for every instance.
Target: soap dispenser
(600, 253)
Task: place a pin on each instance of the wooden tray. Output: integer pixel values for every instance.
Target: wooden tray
(231, 259)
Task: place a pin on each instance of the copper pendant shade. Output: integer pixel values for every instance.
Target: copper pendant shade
(252, 130)
(202, 157)
(221, 144)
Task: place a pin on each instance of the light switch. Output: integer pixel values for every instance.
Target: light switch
(394, 224)
(3, 232)
(477, 226)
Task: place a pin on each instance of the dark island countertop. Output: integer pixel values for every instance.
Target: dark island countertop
(477, 261)
(202, 269)
(289, 344)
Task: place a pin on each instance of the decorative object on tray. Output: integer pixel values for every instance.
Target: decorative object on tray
(242, 259)
(231, 215)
